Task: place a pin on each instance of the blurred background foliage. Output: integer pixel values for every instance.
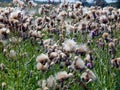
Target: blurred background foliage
(115, 3)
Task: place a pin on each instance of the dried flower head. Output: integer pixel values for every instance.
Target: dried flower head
(2, 66)
(105, 35)
(111, 45)
(62, 75)
(87, 58)
(44, 83)
(42, 58)
(116, 63)
(12, 54)
(51, 81)
(53, 55)
(46, 88)
(82, 49)
(88, 76)
(39, 66)
(69, 45)
(3, 85)
(79, 63)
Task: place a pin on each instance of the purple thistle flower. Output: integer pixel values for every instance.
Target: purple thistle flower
(92, 34)
(89, 65)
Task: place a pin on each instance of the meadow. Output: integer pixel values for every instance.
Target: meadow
(63, 47)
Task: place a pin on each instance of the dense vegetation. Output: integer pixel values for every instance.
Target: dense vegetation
(63, 37)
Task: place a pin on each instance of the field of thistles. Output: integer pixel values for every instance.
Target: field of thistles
(59, 47)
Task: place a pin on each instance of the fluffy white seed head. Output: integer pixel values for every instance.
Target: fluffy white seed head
(116, 62)
(87, 58)
(88, 76)
(4, 30)
(51, 81)
(12, 54)
(39, 66)
(44, 83)
(46, 88)
(91, 74)
(82, 48)
(79, 63)
(46, 66)
(69, 45)
(42, 57)
(62, 75)
(32, 3)
(3, 85)
(53, 54)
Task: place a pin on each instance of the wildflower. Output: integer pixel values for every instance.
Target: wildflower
(5, 52)
(111, 45)
(79, 63)
(78, 3)
(42, 66)
(106, 36)
(39, 66)
(88, 58)
(12, 54)
(63, 56)
(2, 66)
(82, 28)
(24, 55)
(92, 34)
(88, 76)
(46, 88)
(100, 43)
(39, 89)
(4, 32)
(112, 50)
(46, 66)
(88, 61)
(51, 81)
(3, 85)
(116, 63)
(82, 49)
(104, 19)
(69, 45)
(31, 3)
(47, 42)
(42, 58)
(67, 63)
(62, 75)
(15, 40)
(116, 41)
(70, 28)
(44, 84)
(53, 55)
(89, 65)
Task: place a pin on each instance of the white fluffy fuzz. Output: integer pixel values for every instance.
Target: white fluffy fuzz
(51, 81)
(82, 48)
(69, 45)
(12, 54)
(88, 76)
(42, 57)
(91, 74)
(78, 63)
(44, 83)
(39, 66)
(62, 75)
